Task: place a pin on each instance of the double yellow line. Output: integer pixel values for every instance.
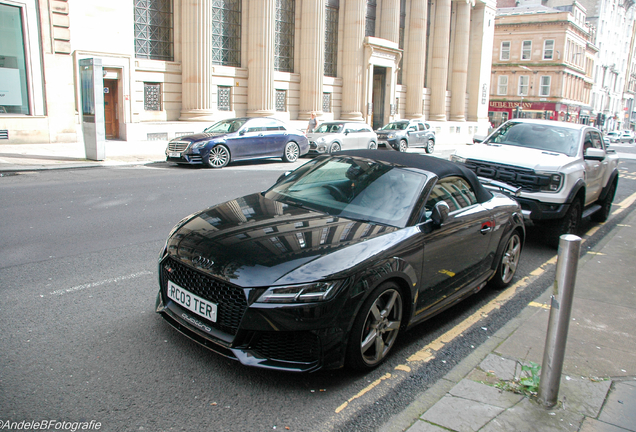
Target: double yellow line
(428, 353)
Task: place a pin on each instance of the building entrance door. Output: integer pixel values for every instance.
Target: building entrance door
(111, 118)
(378, 97)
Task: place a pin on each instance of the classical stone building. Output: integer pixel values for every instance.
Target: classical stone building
(173, 66)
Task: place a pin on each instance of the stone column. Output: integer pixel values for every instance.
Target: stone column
(353, 67)
(312, 57)
(390, 20)
(459, 74)
(196, 85)
(482, 33)
(439, 62)
(260, 63)
(415, 59)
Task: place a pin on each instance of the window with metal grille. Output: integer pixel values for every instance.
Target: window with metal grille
(152, 96)
(284, 46)
(369, 28)
(154, 29)
(401, 40)
(226, 32)
(223, 98)
(332, 10)
(281, 100)
(326, 102)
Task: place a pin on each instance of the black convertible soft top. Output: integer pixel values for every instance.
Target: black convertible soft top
(440, 167)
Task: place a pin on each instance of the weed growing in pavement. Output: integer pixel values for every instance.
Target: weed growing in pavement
(528, 382)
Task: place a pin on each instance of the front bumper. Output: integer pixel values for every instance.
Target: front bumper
(292, 337)
(317, 148)
(536, 210)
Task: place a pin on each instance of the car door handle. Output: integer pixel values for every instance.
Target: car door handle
(486, 228)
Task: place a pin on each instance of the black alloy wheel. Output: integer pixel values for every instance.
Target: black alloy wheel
(606, 205)
(509, 261)
(375, 328)
(292, 151)
(569, 224)
(218, 157)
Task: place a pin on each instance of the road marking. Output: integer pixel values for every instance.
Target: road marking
(539, 305)
(99, 283)
(364, 391)
(623, 205)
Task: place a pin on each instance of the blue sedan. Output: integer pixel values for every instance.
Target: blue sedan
(238, 139)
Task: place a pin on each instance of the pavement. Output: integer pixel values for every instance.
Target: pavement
(597, 391)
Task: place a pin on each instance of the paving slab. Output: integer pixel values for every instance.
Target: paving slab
(422, 426)
(503, 368)
(620, 406)
(485, 394)
(593, 425)
(474, 415)
(528, 416)
(583, 395)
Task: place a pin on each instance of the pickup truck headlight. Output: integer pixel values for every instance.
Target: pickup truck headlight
(458, 159)
(555, 182)
(306, 293)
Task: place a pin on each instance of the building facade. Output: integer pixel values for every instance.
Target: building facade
(543, 63)
(174, 66)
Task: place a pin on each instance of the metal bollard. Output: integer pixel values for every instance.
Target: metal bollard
(560, 309)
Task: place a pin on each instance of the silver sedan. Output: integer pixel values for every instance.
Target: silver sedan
(331, 137)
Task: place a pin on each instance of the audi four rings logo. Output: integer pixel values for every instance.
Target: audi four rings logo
(202, 262)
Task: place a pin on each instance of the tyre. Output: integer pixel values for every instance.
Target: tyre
(335, 147)
(403, 146)
(569, 224)
(376, 327)
(430, 146)
(606, 205)
(373, 145)
(292, 152)
(508, 263)
(218, 157)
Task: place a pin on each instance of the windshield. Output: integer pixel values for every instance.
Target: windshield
(538, 136)
(226, 126)
(329, 128)
(395, 126)
(354, 188)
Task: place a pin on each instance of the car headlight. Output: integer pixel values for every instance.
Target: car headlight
(199, 145)
(458, 159)
(390, 136)
(313, 292)
(321, 140)
(554, 184)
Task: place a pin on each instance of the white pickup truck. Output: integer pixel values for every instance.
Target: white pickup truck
(564, 170)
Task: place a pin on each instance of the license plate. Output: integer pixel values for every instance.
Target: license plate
(174, 154)
(193, 303)
(381, 142)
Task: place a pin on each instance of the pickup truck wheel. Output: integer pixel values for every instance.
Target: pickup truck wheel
(430, 145)
(606, 205)
(569, 224)
(403, 146)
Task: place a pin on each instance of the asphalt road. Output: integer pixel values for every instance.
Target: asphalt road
(80, 340)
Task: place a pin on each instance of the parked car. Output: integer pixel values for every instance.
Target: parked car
(614, 136)
(331, 263)
(331, 137)
(607, 141)
(627, 136)
(402, 134)
(238, 139)
(564, 170)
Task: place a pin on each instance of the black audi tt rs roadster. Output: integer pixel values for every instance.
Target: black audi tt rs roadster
(339, 256)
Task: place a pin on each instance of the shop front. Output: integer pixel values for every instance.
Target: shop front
(501, 111)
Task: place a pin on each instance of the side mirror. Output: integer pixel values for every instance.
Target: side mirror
(346, 132)
(594, 154)
(440, 213)
(242, 132)
(478, 139)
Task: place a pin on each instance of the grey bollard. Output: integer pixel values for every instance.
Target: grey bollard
(560, 309)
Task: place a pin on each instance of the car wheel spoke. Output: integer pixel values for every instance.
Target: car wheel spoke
(368, 341)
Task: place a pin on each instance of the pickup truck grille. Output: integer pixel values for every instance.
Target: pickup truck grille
(524, 178)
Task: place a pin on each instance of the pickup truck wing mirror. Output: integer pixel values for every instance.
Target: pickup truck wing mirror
(440, 213)
(594, 154)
